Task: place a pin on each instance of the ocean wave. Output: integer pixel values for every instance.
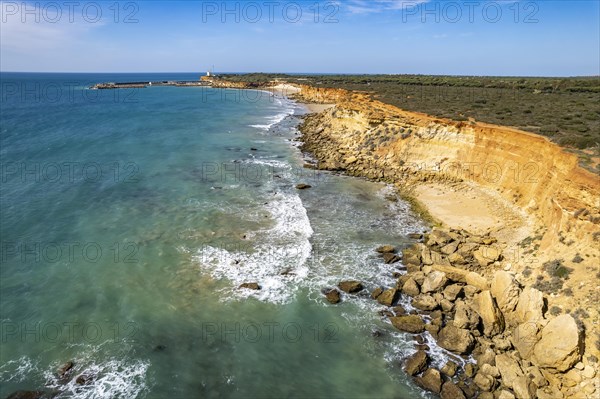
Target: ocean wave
(276, 259)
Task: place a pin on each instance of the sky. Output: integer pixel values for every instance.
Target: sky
(524, 38)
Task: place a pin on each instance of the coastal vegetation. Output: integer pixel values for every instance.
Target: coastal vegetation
(566, 110)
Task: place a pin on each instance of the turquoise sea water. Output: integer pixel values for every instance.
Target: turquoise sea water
(128, 220)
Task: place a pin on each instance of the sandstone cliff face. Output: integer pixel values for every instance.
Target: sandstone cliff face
(373, 139)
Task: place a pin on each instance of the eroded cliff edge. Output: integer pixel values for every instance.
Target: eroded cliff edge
(551, 204)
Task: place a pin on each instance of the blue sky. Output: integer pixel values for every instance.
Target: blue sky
(540, 38)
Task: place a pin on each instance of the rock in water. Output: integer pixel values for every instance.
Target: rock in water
(333, 296)
(430, 380)
(250, 286)
(388, 297)
(376, 292)
(350, 286)
(303, 186)
(386, 249)
(455, 339)
(65, 369)
(411, 288)
(559, 347)
(390, 258)
(416, 363)
(412, 323)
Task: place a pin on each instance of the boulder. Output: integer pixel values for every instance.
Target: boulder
(455, 274)
(466, 249)
(449, 249)
(376, 292)
(490, 370)
(446, 305)
(456, 259)
(559, 347)
(333, 296)
(484, 382)
(453, 291)
(350, 286)
(390, 258)
(505, 290)
(434, 281)
(450, 368)
(250, 286)
(493, 320)
(470, 370)
(464, 316)
(411, 323)
(416, 363)
(411, 255)
(487, 255)
(411, 288)
(386, 249)
(424, 302)
(455, 339)
(504, 394)
(509, 369)
(438, 237)
(530, 306)
(524, 388)
(477, 281)
(426, 256)
(388, 297)
(524, 338)
(451, 391)
(431, 380)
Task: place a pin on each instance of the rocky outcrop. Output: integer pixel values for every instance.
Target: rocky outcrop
(518, 351)
(350, 287)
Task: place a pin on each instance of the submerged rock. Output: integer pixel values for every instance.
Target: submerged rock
(303, 186)
(250, 286)
(65, 369)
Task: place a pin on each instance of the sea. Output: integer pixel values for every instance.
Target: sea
(130, 218)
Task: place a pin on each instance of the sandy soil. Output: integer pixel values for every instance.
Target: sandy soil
(316, 108)
(479, 211)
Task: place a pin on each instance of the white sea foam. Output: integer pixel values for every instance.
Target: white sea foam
(276, 260)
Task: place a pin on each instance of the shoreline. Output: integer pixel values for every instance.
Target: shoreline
(483, 212)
